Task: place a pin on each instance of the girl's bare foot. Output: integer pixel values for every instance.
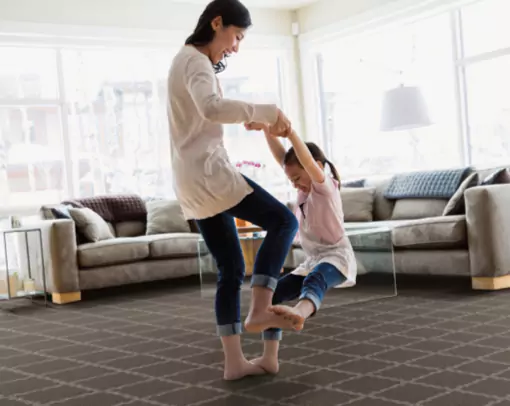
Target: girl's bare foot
(270, 365)
(257, 322)
(290, 314)
(242, 368)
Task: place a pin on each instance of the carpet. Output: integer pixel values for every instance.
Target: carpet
(436, 344)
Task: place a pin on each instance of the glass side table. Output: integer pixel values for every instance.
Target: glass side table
(10, 286)
(373, 248)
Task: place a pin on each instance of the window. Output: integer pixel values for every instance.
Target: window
(355, 75)
(84, 121)
(118, 127)
(31, 153)
(485, 26)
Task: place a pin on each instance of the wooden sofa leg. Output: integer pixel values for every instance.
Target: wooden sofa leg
(64, 298)
(491, 283)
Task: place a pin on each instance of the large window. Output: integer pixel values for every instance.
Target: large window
(79, 121)
(459, 59)
(357, 72)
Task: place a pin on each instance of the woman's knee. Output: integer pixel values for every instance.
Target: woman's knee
(286, 221)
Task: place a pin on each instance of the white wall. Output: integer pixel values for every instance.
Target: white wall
(132, 14)
(326, 12)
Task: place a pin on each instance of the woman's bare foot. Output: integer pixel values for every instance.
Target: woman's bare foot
(238, 370)
(257, 322)
(290, 314)
(270, 365)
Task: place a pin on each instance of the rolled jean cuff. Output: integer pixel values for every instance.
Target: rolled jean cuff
(229, 329)
(264, 281)
(312, 298)
(273, 334)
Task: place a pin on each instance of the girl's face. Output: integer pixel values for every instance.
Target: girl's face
(298, 177)
(226, 40)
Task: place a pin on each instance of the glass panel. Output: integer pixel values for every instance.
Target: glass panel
(489, 111)
(356, 74)
(119, 129)
(254, 76)
(31, 156)
(485, 26)
(28, 73)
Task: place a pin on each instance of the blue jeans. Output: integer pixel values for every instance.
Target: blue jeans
(220, 235)
(312, 287)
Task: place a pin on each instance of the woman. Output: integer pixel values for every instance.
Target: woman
(211, 191)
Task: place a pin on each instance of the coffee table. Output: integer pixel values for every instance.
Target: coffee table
(374, 255)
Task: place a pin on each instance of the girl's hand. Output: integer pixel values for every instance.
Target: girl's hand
(281, 126)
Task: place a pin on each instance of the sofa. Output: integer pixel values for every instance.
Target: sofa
(462, 231)
(133, 240)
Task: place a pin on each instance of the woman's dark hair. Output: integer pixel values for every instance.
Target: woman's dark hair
(317, 154)
(232, 12)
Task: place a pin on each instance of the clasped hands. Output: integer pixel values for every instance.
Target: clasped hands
(282, 127)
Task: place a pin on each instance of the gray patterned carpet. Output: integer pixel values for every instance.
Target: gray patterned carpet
(436, 344)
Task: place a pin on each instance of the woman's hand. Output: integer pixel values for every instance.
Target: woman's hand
(256, 127)
(281, 126)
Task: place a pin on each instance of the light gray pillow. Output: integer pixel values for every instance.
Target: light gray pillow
(408, 209)
(456, 204)
(165, 216)
(358, 203)
(91, 224)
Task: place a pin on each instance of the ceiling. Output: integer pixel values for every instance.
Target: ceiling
(278, 4)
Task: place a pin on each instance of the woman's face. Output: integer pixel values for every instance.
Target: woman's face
(226, 40)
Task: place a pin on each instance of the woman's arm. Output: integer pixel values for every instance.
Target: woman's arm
(306, 159)
(203, 87)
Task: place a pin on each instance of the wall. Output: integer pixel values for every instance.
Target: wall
(326, 12)
(132, 14)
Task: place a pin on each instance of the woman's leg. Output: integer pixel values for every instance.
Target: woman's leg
(220, 235)
(265, 211)
(322, 278)
(289, 287)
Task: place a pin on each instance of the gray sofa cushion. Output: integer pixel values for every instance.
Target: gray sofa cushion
(130, 228)
(176, 245)
(113, 251)
(432, 233)
(406, 209)
(457, 205)
(165, 216)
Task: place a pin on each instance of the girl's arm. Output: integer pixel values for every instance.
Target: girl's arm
(276, 147)
(306, 159)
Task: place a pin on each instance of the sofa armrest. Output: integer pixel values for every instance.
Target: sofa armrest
(60, 243)
(488, 228)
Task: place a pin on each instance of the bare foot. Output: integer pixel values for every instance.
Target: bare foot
(270, 365)
(261, 321)
(242, 369)
(290, 314)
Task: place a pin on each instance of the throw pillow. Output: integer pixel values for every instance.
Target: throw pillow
(358, 203)
(501, 176)
(61, 212)
(165, 216)
(457, 205)
(91, 224)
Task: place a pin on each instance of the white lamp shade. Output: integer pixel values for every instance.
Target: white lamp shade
(404, 108)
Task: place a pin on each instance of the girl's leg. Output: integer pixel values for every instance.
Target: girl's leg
(289, 288)
(264, 210)
(220, 235)
(322, 278)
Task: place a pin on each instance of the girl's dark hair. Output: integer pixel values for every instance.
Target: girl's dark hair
(317, 154)
(232, 12)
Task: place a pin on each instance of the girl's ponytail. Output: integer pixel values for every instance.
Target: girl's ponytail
(334, 172)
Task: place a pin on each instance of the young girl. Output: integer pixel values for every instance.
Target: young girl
(330, 258)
